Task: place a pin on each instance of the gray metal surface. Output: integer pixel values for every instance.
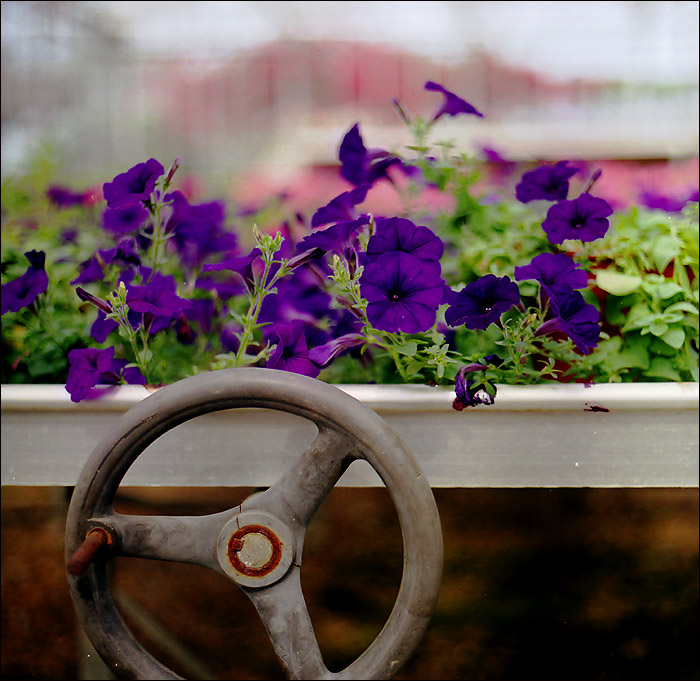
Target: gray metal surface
(609, 435)
(346, 430)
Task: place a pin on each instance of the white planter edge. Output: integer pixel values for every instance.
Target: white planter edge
(550, 435)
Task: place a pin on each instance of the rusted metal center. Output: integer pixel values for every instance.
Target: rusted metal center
(246, 559)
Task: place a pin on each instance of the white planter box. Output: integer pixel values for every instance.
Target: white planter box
(608, 435)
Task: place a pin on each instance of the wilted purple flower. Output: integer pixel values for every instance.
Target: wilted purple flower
(304, 258)
(340, 238)
(90, 367)
(241, 265)
(157, 298)
(553, 268)
(548, 183)
(63, 197)
(470, 393)
(133, 186)
(341, 208)
(124, 219)
(584, 218)
(403, 292)
(291, 352)
(452, 104)
(574, 317)
(324, 354)
(362, 166)
(23, 291)
(482, 302)
(88, 297)
(400, 234)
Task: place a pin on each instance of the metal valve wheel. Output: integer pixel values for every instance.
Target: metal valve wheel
(259, 543)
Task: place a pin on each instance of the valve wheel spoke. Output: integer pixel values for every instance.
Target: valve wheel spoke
(284, 614)
(182, 539)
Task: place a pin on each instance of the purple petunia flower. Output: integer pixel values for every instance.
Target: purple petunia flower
(90, 367)
(482, 302)
(197, 230)
(23, 291)
(90, 270)
(668, 204)
(574, 317)
(102, 327)
(553, 268)
(124, 252)
(547, 183)
(133, 186)
(362, 166)
(403, 292)
(291, 352)
(584, 218)
(453, 105)
(63, 197)
(341, 208)
(230, 340)
(94, 269)
(241, 265)
(157, 298)
(223, 290)
(124, 219)
(340, 238)
(400, 234)
(502, 166)
(299, 297)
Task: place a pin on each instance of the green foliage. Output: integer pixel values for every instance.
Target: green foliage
(643, 279)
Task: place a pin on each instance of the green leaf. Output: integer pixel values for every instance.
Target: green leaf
(657, 327)
(409, 348)
(614, 310)
(413, 368)
(675, 337)
(634, 356)
(616, 283)
(665, 249)
(682, 306)
(667, 289)
(662, 368)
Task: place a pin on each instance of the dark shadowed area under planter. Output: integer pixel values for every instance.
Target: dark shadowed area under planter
(538, 584)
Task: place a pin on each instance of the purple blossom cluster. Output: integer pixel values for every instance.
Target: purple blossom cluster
(298, 320)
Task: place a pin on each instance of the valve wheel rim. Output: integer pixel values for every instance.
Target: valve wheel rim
(327, 407)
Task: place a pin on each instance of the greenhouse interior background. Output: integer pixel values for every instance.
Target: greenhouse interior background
(254, 99)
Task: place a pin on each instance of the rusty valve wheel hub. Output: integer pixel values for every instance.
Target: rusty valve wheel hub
(258, 544)
(255, 549)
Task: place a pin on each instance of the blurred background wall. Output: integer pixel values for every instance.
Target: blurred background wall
(273, 86)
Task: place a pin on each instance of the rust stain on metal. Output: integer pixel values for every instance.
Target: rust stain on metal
(94, 541)
(235, 544)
